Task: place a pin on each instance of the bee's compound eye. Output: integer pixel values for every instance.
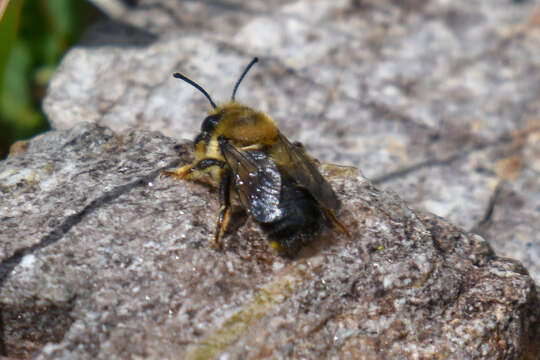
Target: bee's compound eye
(209, 124)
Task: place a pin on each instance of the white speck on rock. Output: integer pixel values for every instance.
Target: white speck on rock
(28, 261)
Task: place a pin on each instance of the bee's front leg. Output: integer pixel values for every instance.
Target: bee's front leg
(190, 171)
(179, 173)
(225, 207)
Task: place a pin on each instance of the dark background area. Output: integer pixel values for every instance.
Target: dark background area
(33, 37)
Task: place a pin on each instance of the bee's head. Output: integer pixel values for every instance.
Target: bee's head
(227, 112)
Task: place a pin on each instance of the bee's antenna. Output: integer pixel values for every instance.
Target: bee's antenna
(197, 86)
(255, 59)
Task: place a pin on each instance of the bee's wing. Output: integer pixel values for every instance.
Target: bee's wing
(304, 171)
(257, 181)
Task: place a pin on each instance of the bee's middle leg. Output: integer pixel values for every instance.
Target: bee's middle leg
(225, 207)
(193, 171)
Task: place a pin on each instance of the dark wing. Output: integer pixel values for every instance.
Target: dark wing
(303, 170)
(256, 179)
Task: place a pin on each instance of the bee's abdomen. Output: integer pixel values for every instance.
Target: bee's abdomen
(301, 217)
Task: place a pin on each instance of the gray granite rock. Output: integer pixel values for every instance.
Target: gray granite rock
(437, 100)
(103, 259)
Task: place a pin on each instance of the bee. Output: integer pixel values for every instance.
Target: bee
(241, 150)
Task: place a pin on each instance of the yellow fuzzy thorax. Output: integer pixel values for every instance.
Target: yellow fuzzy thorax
(244, 126)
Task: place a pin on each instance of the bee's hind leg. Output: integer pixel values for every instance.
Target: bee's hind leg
(335, 222)
(225, 207)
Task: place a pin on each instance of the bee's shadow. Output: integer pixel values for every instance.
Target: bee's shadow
(238, 219)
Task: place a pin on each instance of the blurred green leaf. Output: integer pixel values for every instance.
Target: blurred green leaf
(8, 32)
(3, 6)
(33, 37)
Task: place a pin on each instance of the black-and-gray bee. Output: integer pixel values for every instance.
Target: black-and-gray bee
(240, 149)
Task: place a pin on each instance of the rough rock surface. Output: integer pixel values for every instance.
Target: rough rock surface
(102, 258)
(437, 100)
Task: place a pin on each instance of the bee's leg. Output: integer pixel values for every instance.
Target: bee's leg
(179, 173)
(335, 222)
(185, 171)
(252, 147)
(225, 207)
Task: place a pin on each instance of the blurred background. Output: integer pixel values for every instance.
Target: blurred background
(34, 34)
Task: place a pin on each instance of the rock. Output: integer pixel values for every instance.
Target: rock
(436, 100)
(102, 258)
